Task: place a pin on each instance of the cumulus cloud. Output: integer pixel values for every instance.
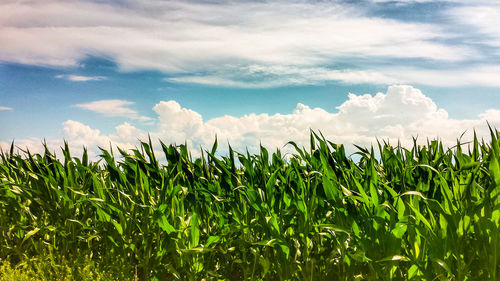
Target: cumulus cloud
(5, 108)
(401, 113)
(80, 135)
(114, 108)
(80, 78)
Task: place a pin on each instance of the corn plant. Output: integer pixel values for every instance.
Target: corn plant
(395, 213)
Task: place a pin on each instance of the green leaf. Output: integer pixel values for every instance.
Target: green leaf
(163, 223)
(118, 227)
(399, 230)
(30, 233)
(274, 224)
(414, 193)
(194, 230)
(285, 250)
(420, 217)
(412, 271)
(395, 258)
(332, 227)
(266, 265)
(494, 168)
(442, 264)
(211, 240)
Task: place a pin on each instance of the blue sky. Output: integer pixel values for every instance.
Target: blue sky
(94, 72)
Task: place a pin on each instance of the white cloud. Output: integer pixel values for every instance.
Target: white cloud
(260, 76)
(401, 113)
(475, 2)
(477, 75)
(399, 2)
(269, 43)
(113, 108)
(483, 17)
(5, 108)
(80, 135)
(80, 78)
(183, 37)
(403, 1)
(492, 115)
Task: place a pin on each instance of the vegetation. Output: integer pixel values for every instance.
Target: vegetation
(46, 268)
(425, 213)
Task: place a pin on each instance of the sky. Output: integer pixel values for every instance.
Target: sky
(247, 72)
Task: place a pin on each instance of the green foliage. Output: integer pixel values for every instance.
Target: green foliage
(423, 213)
(47, 268)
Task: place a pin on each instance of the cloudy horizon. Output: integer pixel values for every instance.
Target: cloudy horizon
(250, 72)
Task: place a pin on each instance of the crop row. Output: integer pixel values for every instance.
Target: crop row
(425, 213)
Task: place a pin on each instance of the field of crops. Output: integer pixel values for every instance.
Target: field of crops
(422, 213)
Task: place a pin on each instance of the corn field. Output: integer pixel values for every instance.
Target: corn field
(393, 213)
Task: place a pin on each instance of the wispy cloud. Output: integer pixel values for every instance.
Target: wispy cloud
(5, 108)
(475, 2)
(187, 37)
(114, 108)
(483, 18)
(80, 78)
(259, 76)
(203, 42)
(477, 75)
(278, 76)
